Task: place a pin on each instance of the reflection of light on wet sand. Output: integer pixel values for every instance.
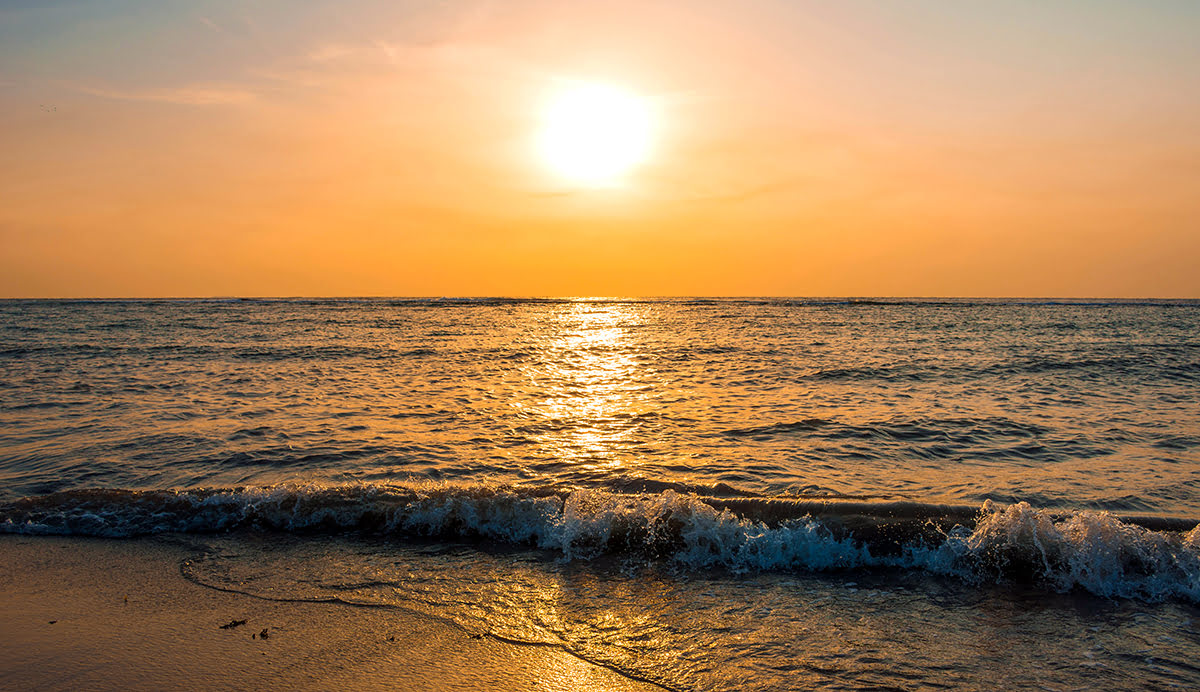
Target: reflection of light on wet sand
(500, 665)
(558, 671)
(94, 590)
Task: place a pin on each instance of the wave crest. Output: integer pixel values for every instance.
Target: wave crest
(1115, 557)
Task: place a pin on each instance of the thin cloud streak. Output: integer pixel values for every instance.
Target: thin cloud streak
(211, 24)
(188, 95)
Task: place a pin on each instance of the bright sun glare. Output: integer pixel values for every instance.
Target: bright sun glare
(592, 134)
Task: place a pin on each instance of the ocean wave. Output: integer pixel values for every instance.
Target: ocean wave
(958, 431)
(1149, 558)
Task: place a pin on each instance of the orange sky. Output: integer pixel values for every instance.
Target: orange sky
(803, 148)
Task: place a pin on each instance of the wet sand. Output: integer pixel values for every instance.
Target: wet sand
(93, 614)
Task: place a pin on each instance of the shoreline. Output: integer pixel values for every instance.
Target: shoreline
(99, 614)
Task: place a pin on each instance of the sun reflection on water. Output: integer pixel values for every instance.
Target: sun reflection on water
(591, 384)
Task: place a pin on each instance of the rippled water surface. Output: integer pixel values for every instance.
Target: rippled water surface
(1062, 405)
(708, 494)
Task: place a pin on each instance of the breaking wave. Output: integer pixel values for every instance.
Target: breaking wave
(1149, 558)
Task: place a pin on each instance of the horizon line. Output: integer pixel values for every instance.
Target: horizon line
(585, 298)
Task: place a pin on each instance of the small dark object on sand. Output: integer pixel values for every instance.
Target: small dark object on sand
(235, 623)
(391, 639)
(53, 621)
(263, 634)
(477, 636)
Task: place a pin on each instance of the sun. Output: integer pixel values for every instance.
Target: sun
(594, 134)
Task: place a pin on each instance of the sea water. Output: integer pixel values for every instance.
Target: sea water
(706, 494)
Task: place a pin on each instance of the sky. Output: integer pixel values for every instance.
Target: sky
(799, 148)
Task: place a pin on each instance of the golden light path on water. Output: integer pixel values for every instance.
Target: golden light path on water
(594, 388)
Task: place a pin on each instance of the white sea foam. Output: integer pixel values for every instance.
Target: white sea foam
(1093, 551)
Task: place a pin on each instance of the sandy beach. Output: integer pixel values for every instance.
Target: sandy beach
(84, 614)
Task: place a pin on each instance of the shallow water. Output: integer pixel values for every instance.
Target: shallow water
(712, 494)
(716, 630)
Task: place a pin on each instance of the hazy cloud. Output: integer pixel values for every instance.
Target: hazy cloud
(187, 95)
(211, 24)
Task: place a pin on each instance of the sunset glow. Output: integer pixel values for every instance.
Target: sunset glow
(803, 148)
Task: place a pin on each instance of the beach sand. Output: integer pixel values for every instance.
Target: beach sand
(94, 614)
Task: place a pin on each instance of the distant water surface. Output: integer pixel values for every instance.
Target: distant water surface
(759, 473)
(1062, 405)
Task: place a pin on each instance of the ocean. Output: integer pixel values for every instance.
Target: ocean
(706, 494)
